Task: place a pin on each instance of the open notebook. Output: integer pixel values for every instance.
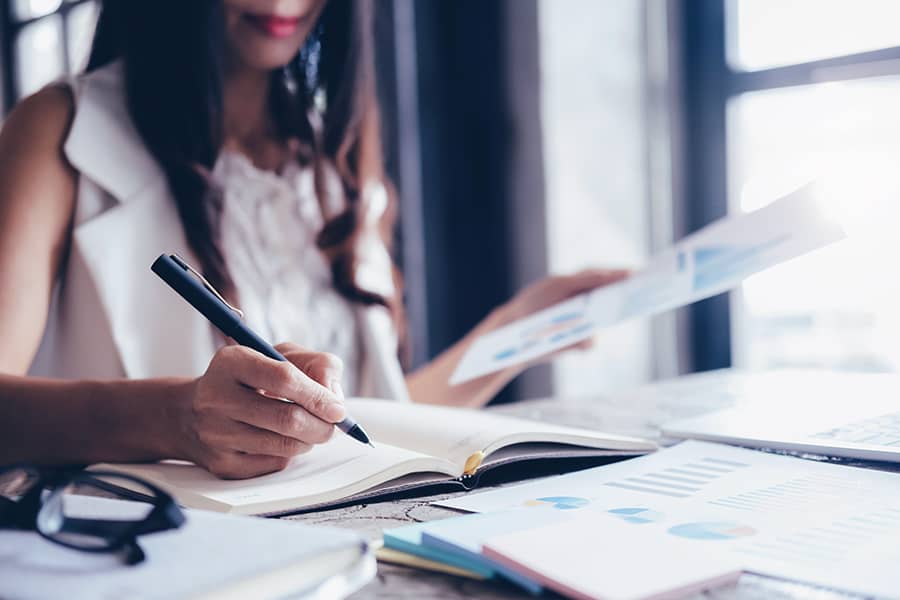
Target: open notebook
(417, 446)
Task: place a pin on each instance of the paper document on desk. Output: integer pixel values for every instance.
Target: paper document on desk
(593, 556)
(211, 556)
(578, 554)
(780, 516)
(708, 262)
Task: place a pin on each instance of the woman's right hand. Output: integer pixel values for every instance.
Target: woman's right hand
(229, 427)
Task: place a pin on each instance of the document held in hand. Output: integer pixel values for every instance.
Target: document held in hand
(708, 262)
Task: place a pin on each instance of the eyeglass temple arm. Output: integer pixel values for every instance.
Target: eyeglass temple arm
(109, 529)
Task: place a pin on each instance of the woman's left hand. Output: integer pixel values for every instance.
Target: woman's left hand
(547, 292)
(429, 384)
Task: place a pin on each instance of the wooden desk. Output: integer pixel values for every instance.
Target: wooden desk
(636, 413)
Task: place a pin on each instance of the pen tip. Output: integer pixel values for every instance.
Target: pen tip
(371, 444)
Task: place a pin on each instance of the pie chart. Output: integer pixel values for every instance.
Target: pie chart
(716, 530)
(637, 515)
(559, 502)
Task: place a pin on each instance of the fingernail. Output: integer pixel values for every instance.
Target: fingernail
(335, 386)
(335, 412)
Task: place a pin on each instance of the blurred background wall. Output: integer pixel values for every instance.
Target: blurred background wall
(539, 136)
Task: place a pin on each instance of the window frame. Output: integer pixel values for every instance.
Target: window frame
(709, 84)
(10, 28)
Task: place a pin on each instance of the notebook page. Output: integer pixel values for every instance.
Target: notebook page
(455, 434)
(339, 468)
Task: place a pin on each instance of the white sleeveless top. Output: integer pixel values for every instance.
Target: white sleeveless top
(110, 317)
(284, 283)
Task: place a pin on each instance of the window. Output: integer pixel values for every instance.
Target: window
(597, 213)
(43, 40)
(763, 34)
(811, 89)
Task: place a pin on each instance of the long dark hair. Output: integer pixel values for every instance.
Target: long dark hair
(174, 88)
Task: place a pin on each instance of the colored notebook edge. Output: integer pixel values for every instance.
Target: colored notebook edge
(525, 582)
(393, 542)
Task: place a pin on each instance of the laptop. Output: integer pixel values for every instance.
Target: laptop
(852, 415)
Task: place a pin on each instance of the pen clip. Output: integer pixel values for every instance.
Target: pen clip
(183, 264)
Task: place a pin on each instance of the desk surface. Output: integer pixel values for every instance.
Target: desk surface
(635, 413)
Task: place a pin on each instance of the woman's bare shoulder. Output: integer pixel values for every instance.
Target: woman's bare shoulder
(37, 201)
(33, 166)
(37, 183)
(40, 121)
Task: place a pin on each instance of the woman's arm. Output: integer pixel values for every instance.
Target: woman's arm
(47, 421)
(430, 384)
(217, 420)
(37, 199)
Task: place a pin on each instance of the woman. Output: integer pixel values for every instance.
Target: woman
(243, 135)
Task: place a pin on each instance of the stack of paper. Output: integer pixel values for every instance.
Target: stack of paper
(408, 539)
(548, 544)
(781, 516)
(597, 557)
(684, 519)
(210, 556)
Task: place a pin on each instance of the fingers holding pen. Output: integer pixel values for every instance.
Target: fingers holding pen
(322, 367)
(235, 431)
(282, 418)
(237, 436)
(282, 379)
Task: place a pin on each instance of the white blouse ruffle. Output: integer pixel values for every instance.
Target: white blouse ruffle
(284, 284)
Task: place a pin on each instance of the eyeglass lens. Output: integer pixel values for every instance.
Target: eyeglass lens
(65, 518)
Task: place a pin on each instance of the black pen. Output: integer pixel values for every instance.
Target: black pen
(198, 292)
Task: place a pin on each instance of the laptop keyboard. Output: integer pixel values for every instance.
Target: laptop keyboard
(883, 430)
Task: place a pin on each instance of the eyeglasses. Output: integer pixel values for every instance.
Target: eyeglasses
(46, 502)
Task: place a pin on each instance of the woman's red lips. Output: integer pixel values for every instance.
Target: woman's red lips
(274, 25)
